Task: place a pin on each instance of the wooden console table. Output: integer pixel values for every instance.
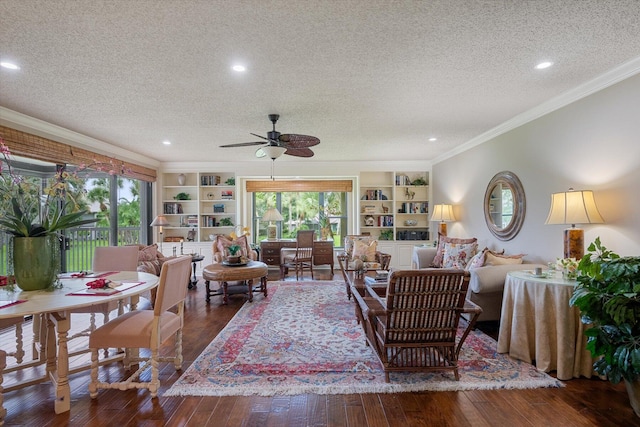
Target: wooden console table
(322, 251)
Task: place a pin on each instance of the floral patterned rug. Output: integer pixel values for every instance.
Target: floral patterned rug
(304, 338)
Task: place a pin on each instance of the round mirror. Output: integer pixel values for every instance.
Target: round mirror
(504, 205)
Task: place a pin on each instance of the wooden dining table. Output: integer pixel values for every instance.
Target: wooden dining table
(54, 307)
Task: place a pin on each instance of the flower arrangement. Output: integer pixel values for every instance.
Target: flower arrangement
(568, 266)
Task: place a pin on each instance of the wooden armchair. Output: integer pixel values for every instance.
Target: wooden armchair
(361, 246)
(413, 325)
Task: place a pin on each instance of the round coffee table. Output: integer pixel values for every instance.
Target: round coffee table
(244, 275)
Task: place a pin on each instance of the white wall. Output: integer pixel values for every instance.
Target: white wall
(593, 143)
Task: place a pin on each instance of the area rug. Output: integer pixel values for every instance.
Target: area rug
(304, 338)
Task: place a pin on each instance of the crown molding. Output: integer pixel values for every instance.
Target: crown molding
(38, 127)
(611, 77)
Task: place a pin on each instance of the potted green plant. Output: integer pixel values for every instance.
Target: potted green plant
(419, 181)
(234, 254)
(34, 219)
(226, 222)
(182, 196)
(608, 296)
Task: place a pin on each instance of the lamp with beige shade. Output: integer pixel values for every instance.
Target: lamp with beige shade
(573, 207)
(443, 214)
(271, 215)
(160, 221)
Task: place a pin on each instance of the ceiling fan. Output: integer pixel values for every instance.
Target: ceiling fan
(277, 143)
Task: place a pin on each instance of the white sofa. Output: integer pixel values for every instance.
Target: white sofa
(486, 285)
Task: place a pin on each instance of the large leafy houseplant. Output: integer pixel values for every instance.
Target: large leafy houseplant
(608, 296)
(34, 215)
(31, 213)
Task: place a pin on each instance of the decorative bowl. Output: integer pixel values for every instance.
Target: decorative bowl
(411, 222)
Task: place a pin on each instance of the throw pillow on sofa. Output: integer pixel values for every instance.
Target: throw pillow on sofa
(442, 240)
(492, 258)
(458, 255)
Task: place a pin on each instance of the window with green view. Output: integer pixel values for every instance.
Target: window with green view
(302, 211)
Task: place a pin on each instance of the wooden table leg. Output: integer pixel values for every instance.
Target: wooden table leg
(225, 294)
(250, 286)
(60, 375)
(208, 293)
(263, 283)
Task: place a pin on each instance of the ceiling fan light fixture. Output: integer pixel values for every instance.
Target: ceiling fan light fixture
(273, 151)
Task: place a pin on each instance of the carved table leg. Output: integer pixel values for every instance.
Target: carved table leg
(250, 286)
(60, 376)
(207, 294)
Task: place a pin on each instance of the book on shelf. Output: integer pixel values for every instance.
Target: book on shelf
(172, 208)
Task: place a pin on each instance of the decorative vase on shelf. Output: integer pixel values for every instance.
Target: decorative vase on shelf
(35, 261)
(182, 178)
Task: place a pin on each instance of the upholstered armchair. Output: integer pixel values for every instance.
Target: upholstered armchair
(364, 248)
(222, 242)
(412, 324)
(150, 259)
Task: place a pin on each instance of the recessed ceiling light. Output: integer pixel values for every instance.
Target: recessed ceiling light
(543, 65)
(166, 142)
(239, 68)
(433, 139)
(9, 65)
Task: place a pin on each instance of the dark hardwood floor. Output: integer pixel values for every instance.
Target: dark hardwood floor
(583, 402)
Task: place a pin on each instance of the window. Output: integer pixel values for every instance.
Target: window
(114, 200)
(308, 210)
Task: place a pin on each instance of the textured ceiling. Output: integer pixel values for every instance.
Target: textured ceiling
(372, 79)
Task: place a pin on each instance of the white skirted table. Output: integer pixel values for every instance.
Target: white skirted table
(538, 324)
(55, 306)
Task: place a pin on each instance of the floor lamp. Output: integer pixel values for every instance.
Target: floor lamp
(160, 221)
(271, 215)
(442, 214)
(574, 207)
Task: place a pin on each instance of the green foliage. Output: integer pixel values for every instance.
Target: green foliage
(234, 249)
(608, 296)
(226, 222)
(182, 196)
(419, 181)
(386, 235)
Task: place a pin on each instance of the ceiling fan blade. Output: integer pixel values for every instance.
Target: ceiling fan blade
(260, 136)
(299, 152)
(243, 144)
(292, 140)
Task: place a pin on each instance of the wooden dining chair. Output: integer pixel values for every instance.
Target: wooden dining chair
(302, 257)
(413, 326)
(141, 329)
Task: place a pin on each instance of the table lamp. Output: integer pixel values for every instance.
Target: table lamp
(271, 215)
(160, 221)
(442, 213)
(573, 207)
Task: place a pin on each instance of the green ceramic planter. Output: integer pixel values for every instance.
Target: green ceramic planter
(34, 261)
